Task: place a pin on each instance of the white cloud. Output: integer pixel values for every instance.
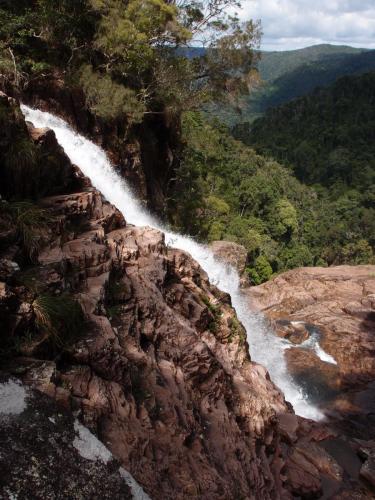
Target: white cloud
(289, 24)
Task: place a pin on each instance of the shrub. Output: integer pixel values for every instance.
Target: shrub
(216, 231)
(215, 312)
(20, 161)
(296, 256)
(236, 330)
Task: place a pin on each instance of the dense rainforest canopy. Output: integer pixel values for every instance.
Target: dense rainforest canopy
(225, 190)
(328, 137)
(327, 141)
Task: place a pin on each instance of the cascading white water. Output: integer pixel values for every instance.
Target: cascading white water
(265, 347)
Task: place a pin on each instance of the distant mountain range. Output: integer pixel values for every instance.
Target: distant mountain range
(289, 74)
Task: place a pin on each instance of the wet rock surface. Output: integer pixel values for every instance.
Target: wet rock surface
(328, 316)
(161, 372)
(145, 154)
(337, 305)
(231, 253)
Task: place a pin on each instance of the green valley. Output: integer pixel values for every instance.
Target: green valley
(285, 75)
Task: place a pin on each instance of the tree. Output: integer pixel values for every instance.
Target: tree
(143, 45)
(358, 253)
(285, 221)
(261, 272)
(296, 256)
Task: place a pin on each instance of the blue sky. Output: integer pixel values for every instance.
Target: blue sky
(292, 24)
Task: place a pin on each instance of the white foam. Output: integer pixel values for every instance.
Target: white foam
(313, 343)
(324, 356)
(265, 347)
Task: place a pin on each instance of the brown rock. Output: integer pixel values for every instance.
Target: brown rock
(288, 425)
(231, 253)
(368, 470)
(161, 371)
(295, 331)
(337, 303)
(42, 454)
(304, 477)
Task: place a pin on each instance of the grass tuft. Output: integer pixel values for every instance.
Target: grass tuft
(31, 222)
(60, 318)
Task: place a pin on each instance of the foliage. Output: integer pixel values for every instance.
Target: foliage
(327, 136)
(327, 140)
(236, 330)
(215, 313)
(31, 222)
(285, 221)
(126, 53)
(19, 163)
(359, 252)
(59, 318)
(224, 190)
(262, 270)
(107, 99)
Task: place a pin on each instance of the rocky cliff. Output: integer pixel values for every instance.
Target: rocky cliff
(337, 306)
(128, 335)
(158, 366)
(46, 453)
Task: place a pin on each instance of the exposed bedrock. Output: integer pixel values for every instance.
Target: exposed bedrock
(160, 370)
(336, 306)
(46, 453)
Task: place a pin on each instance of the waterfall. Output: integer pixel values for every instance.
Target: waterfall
(265, 347)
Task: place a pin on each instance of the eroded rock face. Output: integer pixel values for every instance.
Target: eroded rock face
(161, 371)
(144, 154)
(233, 254)
(162, 376)
(337, 305)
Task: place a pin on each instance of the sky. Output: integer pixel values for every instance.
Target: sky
(293, 24)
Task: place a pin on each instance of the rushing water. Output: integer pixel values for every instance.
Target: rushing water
(265, 347)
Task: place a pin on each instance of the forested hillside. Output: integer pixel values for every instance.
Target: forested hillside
(328, 137)
(290, 74)
(327, 141)
(224, 190)
(275, 64)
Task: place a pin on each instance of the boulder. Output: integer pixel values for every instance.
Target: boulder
(231, 253)
(368, 469)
